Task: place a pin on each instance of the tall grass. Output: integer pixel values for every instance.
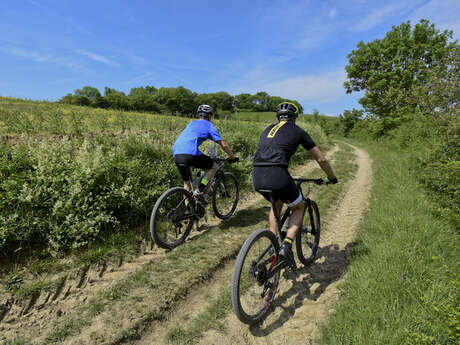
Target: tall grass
(71, 191)
(403, 284)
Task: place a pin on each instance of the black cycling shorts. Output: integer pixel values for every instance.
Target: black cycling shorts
(202, 161)
(277, 179)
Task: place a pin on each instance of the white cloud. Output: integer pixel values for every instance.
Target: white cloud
(332, 13)
(375, 18)
(381, 14)
(320, 88)
(444, 13)
(41, 58)
(98, 58)
(317, 88)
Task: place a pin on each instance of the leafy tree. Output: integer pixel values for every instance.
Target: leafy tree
(349, 118)
(402, 59)
(260, 101)
(206, 98)
(186, 101)
(168, 97)
(273, 102)
(115, 99)
(67, 99)
(243, 101)
(88, 92)
(142, 99)
(223, 100)
(99, 102)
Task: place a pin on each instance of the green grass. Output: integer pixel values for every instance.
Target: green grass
(403, 283)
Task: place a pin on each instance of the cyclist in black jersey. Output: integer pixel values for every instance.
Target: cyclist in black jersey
(278, 143)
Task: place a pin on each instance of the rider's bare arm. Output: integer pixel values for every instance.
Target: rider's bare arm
(322, 161)
(226, 148)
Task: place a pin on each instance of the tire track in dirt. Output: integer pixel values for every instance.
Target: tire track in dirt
(304, 301)
(198, 299)
(78, 286)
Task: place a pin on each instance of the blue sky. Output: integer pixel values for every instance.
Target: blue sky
(289, 48)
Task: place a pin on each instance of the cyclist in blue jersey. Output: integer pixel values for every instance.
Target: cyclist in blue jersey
(186, 151)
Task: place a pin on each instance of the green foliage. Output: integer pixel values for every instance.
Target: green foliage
(439, 169)
(64, 195)
(349, 119)
(402, 285)
(75, 191)
(172, 100)
(442, 298)
(404, 58)
(430, 132)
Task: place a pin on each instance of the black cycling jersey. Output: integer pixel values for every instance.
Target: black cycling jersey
(278, 143)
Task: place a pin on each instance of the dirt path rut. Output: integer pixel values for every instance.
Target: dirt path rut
(304, 301)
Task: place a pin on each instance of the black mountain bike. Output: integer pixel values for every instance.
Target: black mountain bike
(177, 209)
(258, 266)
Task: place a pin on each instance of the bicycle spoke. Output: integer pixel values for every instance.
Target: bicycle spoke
(307, 239)
(225, 195)
(172, 218)
(256, 288)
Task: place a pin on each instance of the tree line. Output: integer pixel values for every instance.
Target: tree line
(172, 100)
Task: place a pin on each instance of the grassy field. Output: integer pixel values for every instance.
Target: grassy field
(95, 177)
(403, 284)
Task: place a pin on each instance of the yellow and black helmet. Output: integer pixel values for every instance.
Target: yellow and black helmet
(287, 110)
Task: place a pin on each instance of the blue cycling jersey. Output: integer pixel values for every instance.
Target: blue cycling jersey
(193, 136)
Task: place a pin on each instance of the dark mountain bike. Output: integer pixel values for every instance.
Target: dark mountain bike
(177, 209)
(258, 265)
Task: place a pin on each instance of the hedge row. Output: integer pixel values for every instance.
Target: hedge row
(69, 193)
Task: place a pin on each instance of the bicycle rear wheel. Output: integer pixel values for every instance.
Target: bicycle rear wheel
(172, 218)
(307, 238)
(253, 290)
(225, 195)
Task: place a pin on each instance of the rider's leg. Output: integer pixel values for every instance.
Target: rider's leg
(295, 219)
(188, 185)
(272, 218)
(207, 177)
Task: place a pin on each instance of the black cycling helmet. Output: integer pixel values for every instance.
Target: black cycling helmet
(205, 111)
(287, 110)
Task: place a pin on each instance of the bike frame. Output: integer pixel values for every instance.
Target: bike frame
(278, 265)
(220, 170)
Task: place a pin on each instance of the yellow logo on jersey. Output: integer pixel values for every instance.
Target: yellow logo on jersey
(275, 129)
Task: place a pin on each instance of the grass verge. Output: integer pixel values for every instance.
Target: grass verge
(403, 283)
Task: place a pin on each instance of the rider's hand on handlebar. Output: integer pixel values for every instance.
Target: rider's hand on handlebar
(233, 160)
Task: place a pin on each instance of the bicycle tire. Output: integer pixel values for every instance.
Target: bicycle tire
(225, 195)
(243, 293)
(307, 238)
(169, 216)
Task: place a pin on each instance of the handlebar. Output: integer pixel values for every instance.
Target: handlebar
(318, 181)
(300, 180)
(226, 160)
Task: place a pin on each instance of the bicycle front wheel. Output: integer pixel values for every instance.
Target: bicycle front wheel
(225, 195)
(172, 218)
(307, 238)
(254, 282)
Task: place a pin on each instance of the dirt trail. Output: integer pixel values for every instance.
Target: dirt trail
(304, 301)
(77, 287)
(198, 300)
